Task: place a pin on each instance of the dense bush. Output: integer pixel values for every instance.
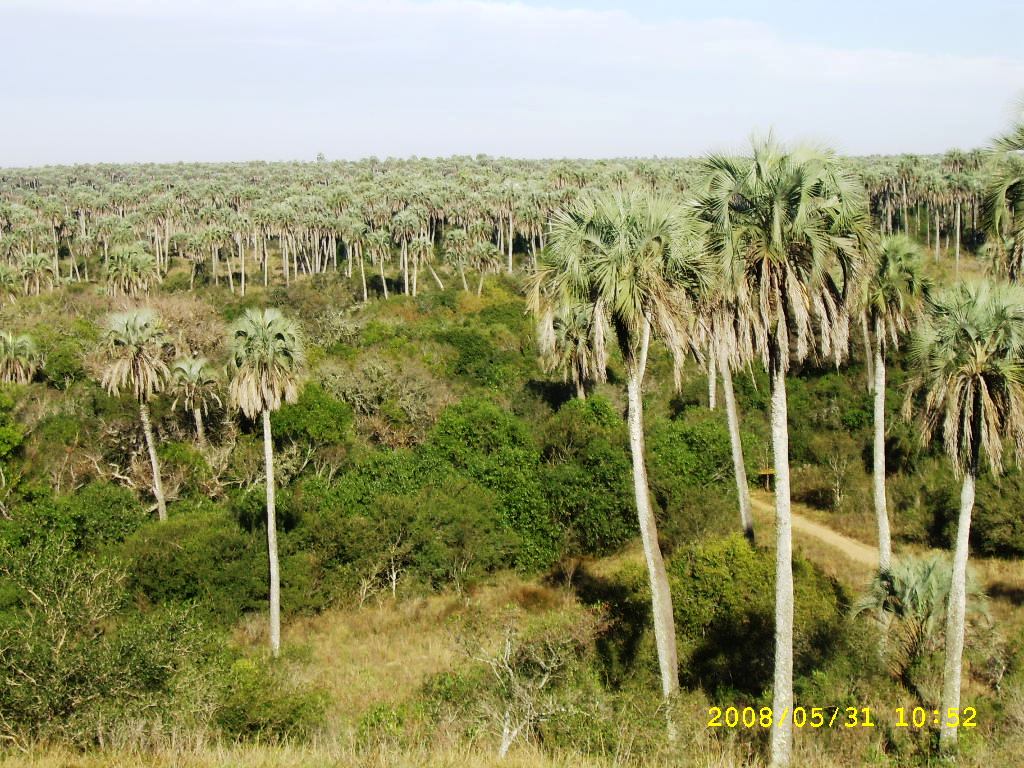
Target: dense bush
(89, 669)
(588, 478)
(96, 515)
(723, 596)
(260, 702)
(495, 449)
(315, 418)
(199, 557)
(479, 359)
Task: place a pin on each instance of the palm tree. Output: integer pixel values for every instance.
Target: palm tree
(134, 344)
(19, 358)
(570, 348)
(630, 261)
(969, 350)
(131, 270)
(789, 227)
(36, 270)
(266, 360)
(892, 297)
(1004, 204)
(9, 280)
(910, 599)
(194, 385)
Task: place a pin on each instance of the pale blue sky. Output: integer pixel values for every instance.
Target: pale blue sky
(166, 80)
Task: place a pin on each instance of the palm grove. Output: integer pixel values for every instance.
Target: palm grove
(770, 259)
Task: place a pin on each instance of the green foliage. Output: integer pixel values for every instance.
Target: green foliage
(259, 702)
(495, 449)
(88, 668)
(198, 557)
(316, 418)
(723, 597)
(588, 477)
(481, 359)
(997, 526)
(62, 362)
(95, 516)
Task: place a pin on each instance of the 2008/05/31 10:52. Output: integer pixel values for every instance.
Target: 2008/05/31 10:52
(834, 717)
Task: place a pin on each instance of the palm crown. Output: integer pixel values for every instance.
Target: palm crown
(19, 358)
(134, 345)
(194, 384)
(789, 227)
(968, 350)
(628, 258)
(266, 359)
(895, 288)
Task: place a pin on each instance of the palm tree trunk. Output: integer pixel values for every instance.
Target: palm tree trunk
(958, 238)
(782, 692)
(405, 267)
(158, 487)
(738, 465)
(868, 359)
(881, 512)
(200, 427)
(383, 280)
(362, 273)
(275, 576)
(661, 599)
(433, 274)
(712, 381)
(956, 611)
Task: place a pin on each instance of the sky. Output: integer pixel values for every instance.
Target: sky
(90, 81)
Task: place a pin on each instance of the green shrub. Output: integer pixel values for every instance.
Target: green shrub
(89, 667)
(723, 597)
(997, 525)
(62, 363)
(259, 703)
(480, 359)
(96, 515)
(315, 418)
(201, 557)
(588, 476)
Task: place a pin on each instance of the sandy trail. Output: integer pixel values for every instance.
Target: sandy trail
(858, 552)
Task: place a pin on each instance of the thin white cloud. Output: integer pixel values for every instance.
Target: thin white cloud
(357, 77)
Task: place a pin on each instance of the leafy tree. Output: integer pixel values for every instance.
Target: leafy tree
(134, 345)
(267, 356)
(969, 350)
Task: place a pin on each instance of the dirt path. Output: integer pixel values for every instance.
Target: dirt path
(860, 553)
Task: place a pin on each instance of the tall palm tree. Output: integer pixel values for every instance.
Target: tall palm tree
(36, 270)
(1004, 204)
(569, 349)
(969, 349)
(267, 356)
(9, 281)
(19, 358)
(195, 386)
(134, 344)
(789, 227)
(631, 261)
(892, 297)
(131, 270)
